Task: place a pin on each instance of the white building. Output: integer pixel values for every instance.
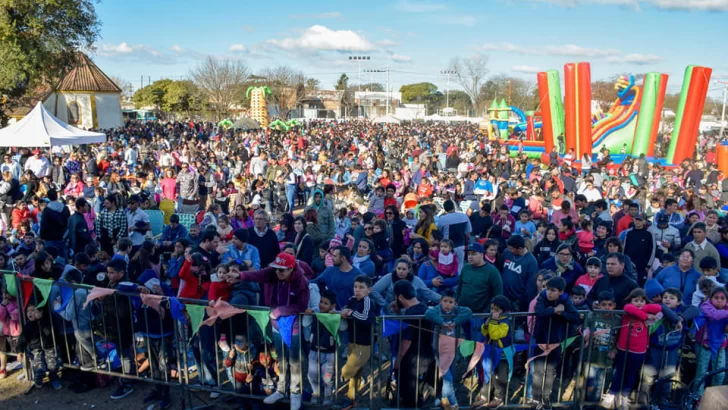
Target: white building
(86, 97)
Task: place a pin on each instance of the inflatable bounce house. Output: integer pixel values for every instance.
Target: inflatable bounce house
(258, 106)
(630, 126)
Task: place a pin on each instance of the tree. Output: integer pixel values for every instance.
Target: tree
(313, 84)
(342, 83)
(521, 93)
(376, 87)
(287, 86)
(603, 91)
(220, 81)
(418, 92)
(347, 97)
(153, 95)
(470, 74)
(125, 85)
(167, 97)
(40, 39)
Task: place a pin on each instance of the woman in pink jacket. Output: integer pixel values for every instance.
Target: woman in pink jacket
(10, 323)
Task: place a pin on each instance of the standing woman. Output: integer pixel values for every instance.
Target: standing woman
(291, 180)
(169, 185)
(397, 227)
(118, 188)
(303, 241)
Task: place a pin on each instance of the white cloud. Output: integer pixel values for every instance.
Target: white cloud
(177, 49)
(248, 28)
(688, 5)
(400, 58)
(637, 59)
(238, 48)
(567, 50)
(327, 15)
(115, 49)
(525, 69)
(420, 6)
(322, 38)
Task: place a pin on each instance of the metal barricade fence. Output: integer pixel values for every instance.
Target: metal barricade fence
(153, 347)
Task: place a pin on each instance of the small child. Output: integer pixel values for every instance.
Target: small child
(333, 243)
(447, 262)
(634, 339)
(585, 237)
(36, 340)
(266, 371)
(123, 249)
(362, 311)
(524, 226)
(224, 229)
(10, 324)
(603, 328)
(705, 288)
(555, 314)
(220, 289)
(239, 366)
(448, 316)
(542, 277)
(322, 357)
(711, 338)
(578, 298)
(592, 275)
(499, 339)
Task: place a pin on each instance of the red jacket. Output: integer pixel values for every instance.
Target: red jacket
(219, 290)
(192, 288)
(634, 328)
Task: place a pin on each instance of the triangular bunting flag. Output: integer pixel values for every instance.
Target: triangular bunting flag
(10, 284)
(285, 326)
(331, 322)
(97, 293)
(261, 317)
(44, 287)
(467, 347)
(446, 347)
(196, 313)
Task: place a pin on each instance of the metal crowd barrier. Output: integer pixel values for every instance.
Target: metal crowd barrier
(198, 363)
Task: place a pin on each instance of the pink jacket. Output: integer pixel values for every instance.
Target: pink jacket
(9, 316)
(74, 190)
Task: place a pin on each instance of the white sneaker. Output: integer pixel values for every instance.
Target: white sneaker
(295, 401)
(273, 398)
(607, 401)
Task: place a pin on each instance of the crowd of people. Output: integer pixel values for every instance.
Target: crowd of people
(429, 220)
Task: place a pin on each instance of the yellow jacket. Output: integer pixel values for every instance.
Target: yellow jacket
(496, 330)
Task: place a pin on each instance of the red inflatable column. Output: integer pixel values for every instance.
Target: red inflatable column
(570, 101)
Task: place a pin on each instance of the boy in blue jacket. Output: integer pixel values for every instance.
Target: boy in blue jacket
(666, 337)
(555, 314)
(448, 317)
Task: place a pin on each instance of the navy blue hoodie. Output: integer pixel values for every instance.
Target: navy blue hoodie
(551, 327)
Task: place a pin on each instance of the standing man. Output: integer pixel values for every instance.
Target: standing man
(615, 281)
(138, 223)
(263, 238)
(78, 233)
(519, 273)
(189, 200)
(456, 227)
(286, 294)
(38, 164)
(478, 283)
(639, 245)
(53, 223)
(12, 166)
(110, 225)
(340, 277)
(700, 245)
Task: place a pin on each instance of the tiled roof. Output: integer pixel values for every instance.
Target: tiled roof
(86, 76)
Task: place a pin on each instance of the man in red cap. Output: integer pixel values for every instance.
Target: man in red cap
(38, 164)
(285, 292)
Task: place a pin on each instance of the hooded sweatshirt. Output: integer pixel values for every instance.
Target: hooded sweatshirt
(285, 298)
(519, 277)
(326, 221)
(53, 221)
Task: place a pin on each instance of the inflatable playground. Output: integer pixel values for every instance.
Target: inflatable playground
(630, 127)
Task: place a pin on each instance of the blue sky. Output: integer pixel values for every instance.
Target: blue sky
(165, 38)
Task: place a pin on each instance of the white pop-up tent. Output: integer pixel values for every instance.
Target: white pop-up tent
(41, 129)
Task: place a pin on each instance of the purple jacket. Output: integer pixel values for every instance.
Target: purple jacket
(284, 298)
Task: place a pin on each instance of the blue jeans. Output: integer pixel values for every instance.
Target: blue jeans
(626, 369)
(660, 363)
(290, 196)
(448, 390)
(595, 383)
(203, 349)
(291, 366)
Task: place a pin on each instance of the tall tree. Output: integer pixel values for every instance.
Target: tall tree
(313, 84)
(39, 42)
(342, 83)
(183, 97)
(521, 93)
(287, 86)
(376, 87)
(122, 83)
(220, 81)
(347, 97)
(154, 95)
(469, 74)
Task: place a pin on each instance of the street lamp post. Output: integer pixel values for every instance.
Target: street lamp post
(448, 73)
(387, 91)
(359, 59)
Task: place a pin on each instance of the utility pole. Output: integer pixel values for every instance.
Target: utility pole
(722, 117)
(389, 93)
(141, 83)
(371, 73)
(448, 73)
(359, 59)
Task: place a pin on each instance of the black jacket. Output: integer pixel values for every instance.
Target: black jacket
(78, 233)
(362, 320)
(620, 286)
(550, 326)
(54, 221)
(36, 335)
(639, 244)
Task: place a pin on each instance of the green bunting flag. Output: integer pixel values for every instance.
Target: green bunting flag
(196, 313)
(466, 348)
(10, 284)
(44, 287)
(655, 326)
(331, 322)
(566, 343)
(261, 317)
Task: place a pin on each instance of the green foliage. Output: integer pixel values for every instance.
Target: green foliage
(342, 83)
(418, 93)
(39, 42)
(167, 96)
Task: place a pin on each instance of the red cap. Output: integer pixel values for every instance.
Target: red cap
(284, 261)
(36, 151)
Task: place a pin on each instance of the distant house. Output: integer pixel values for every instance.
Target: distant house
(319, 104)
(85, 97)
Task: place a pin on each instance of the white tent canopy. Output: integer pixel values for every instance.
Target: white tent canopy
(41, 129)
(386, 119)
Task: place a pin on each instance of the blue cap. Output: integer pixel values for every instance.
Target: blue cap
(476, 247)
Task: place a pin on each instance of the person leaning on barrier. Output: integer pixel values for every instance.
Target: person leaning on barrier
(286, 293)
(615, 281)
